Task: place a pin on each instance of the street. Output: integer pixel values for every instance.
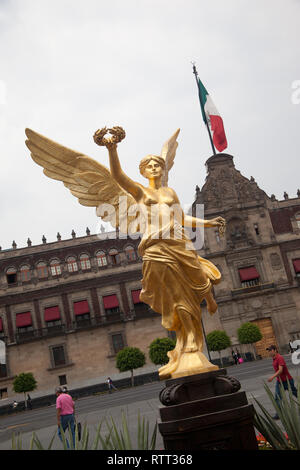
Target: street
(143, 399)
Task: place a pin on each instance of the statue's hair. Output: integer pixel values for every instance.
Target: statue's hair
(144, 162)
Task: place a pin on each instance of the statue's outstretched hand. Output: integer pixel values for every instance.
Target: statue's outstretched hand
(220, 223)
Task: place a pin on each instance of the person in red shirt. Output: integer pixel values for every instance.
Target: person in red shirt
(282, 375)
(65, 409)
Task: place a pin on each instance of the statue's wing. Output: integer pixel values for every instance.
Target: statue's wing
(89, 181)
(168, 154)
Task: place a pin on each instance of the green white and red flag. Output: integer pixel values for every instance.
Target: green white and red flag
(212, 117)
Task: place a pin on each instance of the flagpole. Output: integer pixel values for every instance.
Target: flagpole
(208, 129)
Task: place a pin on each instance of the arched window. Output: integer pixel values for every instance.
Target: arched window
(25, 273)
(114, 256)
(55, 267)
(42, 270)
(11, 275)
(72, 264)
(85, 261)
(101, 258)
(130, 253)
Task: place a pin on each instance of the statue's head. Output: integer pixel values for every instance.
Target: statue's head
(152, 166)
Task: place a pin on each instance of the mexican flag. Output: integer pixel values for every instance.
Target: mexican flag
(212, 117)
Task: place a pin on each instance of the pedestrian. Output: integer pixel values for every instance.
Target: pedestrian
(65, 390)
(29, 402)
(235, 358)
(239, 357)
(15, 404)
(65, 409)
(110, 385)
(282, 375)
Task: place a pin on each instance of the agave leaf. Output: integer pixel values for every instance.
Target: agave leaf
(153, 439)
(52, 440)
(271, 426)
(38, 443)
(128, 445)
(13, 442)
(31, 442)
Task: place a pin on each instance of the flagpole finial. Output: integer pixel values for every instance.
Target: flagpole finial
(194, 68)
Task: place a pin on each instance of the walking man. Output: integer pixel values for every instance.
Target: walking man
(110, 385)
(282, 375)
(65, 409)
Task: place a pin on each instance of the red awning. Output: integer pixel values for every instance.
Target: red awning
(110, 301)
(296, 263)
(52, 313)
(247, 274)
(23, 319)
(1, 325)
(82, 307)
(136, 296)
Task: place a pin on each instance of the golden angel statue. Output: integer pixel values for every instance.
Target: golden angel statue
(175, 278)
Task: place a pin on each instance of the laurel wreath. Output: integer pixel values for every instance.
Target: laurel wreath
(117, 134)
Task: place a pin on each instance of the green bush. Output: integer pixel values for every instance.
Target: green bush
(249, 333)
(129, 359)
(24, 383)
(158, 350)
(218, 340)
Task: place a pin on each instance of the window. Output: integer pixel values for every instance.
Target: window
(52, 316)
(117, 342)
(296, 264)
(114, 256)
(25, 273)
(85, 262)
(24, 322)
(55, 267)
(3, 393)
(130, 253)
(58, 356)
(256, 228)
(72, 264)
(42, 270)
(111, 304)
(11, 276)
(249, 276)
(62, 379)
(101, 258)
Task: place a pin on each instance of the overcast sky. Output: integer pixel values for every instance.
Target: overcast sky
(69, 67)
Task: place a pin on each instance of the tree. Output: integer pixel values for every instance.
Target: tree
(158, 350)
(24, 383)
(249, 333)
(130, 359)
(218, 340)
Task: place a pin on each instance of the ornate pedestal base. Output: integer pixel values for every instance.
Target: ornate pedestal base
(206, 412)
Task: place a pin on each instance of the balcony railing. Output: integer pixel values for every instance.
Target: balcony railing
(254, 288)
(56, 330)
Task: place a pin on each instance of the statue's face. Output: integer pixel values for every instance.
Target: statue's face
(153, 170)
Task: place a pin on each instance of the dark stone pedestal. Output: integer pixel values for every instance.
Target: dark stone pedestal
(206, 412)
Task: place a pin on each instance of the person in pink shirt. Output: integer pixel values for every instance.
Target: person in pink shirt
(65, 412)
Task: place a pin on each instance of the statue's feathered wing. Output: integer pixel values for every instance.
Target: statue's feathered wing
(87, 179)
(168, 153)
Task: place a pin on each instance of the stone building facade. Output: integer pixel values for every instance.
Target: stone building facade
(68, 307)
(259, 256)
